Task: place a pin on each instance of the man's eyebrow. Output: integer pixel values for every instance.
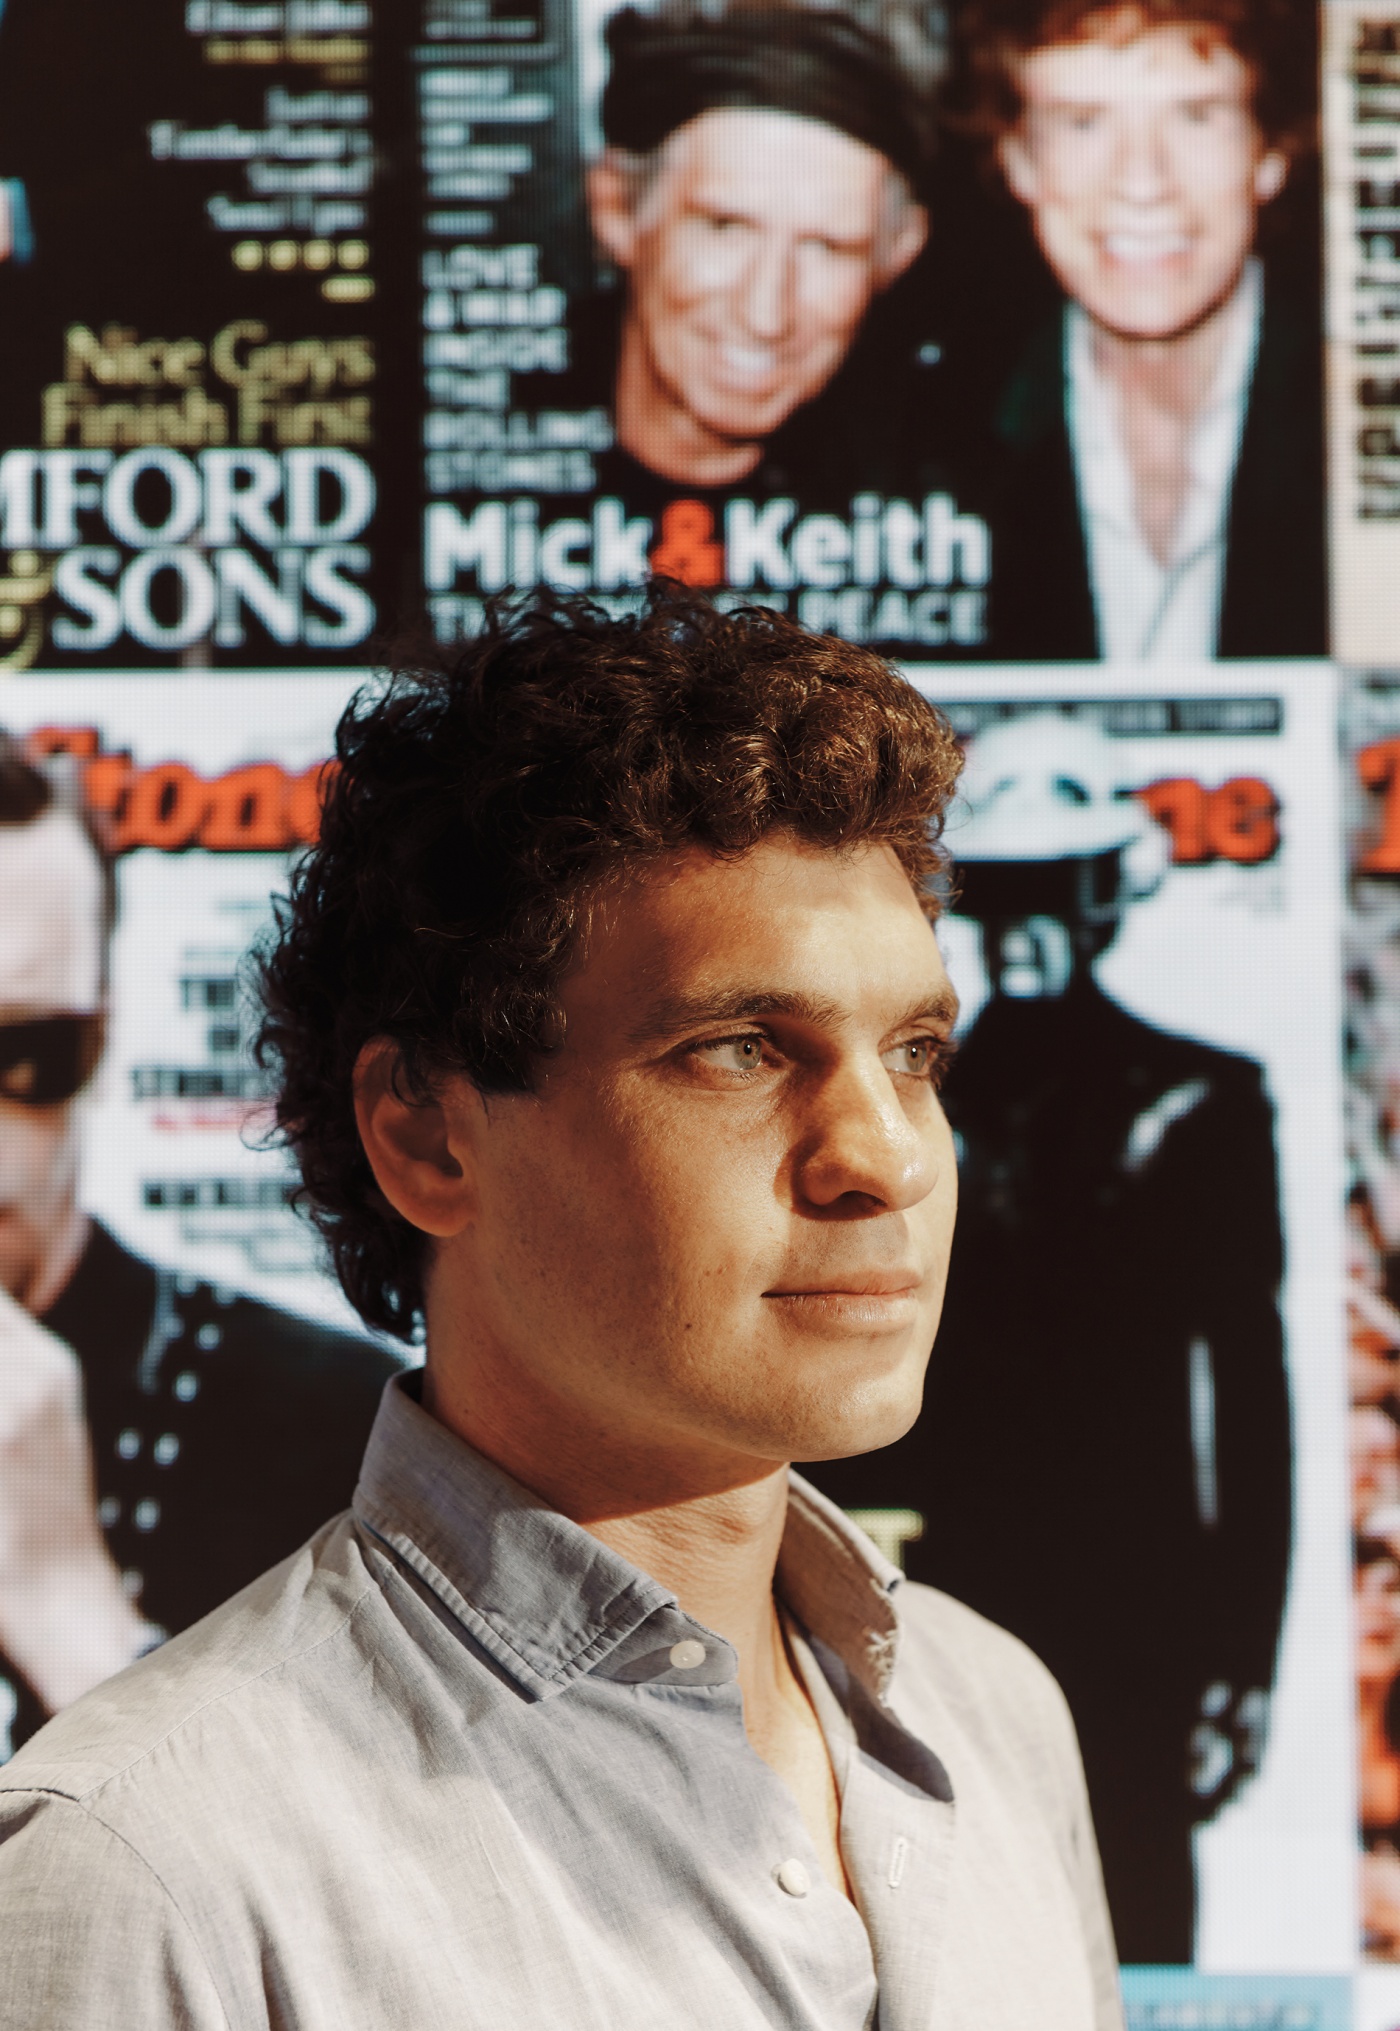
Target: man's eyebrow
(671, 1015)
(941, 1007)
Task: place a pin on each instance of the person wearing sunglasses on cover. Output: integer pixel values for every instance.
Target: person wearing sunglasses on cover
(153, 1452)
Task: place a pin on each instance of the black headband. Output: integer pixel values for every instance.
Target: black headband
(784, 59)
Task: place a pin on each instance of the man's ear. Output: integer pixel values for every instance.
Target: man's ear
(1017, 167)
(1270, 175)
(612, 211)
(906, 246)
(419, 1150)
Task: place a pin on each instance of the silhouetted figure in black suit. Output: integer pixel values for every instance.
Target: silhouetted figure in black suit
(1103, 1460)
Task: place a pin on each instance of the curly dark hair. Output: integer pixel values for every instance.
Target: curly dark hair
(1275, 39)
(478, 808)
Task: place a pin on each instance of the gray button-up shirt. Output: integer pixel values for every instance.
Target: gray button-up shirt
(456, 1764)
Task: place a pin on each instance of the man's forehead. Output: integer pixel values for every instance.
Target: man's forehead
(785, 922)
(761, 161)
(1168, 61)
(51, 917)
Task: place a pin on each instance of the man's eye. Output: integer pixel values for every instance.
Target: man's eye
(1201, 111)
(921, 1058)
(732, 1054)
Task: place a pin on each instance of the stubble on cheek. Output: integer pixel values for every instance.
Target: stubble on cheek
(694, 1216)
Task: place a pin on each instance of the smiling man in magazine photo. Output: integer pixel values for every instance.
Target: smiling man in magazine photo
(607, 1018)
(1161, 440)
(758, 190)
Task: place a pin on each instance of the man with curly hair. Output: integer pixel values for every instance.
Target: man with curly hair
(1162, 490)
(609, 1019)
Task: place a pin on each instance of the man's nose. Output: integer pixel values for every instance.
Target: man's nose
(860, 1151)
(1142, 166)
(768, 287)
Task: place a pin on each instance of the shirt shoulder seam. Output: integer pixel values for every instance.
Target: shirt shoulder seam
(215, 1699)
(143, 1862)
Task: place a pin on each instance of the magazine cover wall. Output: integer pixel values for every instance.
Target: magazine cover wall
(1178, 928)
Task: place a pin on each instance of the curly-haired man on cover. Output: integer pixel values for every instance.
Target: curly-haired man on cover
(609, 1017)
(1162, 491)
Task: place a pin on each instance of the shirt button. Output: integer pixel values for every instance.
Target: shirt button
(686, 1654)
(792, 1876)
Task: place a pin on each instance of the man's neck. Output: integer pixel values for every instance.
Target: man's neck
(662, 434)
(718, 1554)
(708, 1526)
(1158, 390)
(1174, 375)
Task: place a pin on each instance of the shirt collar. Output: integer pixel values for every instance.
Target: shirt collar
(550, 1604)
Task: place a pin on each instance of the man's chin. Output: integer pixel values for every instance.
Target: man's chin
(742, 423)
(749, 415)
(863, 1423)
(1152, 316)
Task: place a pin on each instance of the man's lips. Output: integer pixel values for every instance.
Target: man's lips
(875, 1283)
(862, 1304)
(745, 369)
(751, 363)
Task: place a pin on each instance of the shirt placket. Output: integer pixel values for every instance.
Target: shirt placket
(897, 1845)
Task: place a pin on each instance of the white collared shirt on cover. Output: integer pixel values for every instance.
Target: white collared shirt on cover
(1148, 611)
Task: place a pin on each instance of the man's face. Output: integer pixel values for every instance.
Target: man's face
(50, 965)
(719, 1228)
(1144, 169)
(751, 261)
